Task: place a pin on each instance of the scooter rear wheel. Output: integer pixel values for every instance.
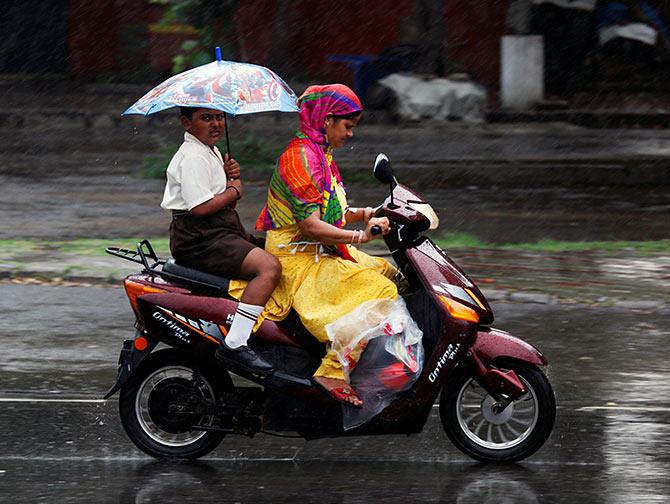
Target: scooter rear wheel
(158, 405)
(478, 428)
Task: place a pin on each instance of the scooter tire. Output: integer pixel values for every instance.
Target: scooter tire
(484, 434)
(148, 423)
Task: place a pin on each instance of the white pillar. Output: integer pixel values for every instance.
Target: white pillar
(522, 71)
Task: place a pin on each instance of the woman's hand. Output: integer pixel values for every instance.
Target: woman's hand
(231, 167)
(368, 212)
(314, 228)
(382, 222)
(360, 214)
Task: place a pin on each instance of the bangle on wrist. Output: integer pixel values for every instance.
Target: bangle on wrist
(236, 190)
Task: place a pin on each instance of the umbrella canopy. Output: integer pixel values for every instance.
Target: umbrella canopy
(234, 88)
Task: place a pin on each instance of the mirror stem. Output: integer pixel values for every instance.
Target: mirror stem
(392, 186)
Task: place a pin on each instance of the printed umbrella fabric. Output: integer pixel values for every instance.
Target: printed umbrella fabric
(234, 88)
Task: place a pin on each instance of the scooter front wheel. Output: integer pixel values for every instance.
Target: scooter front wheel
(476, 424)
(170, 394)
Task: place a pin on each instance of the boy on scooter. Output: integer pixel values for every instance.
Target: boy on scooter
(206, 233)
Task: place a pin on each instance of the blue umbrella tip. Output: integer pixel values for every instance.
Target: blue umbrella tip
(218, 53)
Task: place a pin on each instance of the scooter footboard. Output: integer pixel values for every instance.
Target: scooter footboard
(493, 345)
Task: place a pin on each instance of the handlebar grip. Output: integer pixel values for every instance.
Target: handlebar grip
(375, 230)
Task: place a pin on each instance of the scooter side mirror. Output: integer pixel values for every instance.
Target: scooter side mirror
(382, 169)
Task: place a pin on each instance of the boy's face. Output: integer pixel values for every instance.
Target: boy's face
(207, 125)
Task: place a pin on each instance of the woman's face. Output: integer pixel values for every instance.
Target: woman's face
(338, 131)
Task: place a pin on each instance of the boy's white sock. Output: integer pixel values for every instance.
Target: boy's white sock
(240, 330)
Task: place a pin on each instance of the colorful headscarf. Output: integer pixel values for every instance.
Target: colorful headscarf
(305, 176)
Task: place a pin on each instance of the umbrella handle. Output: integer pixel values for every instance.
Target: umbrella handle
(225, 125)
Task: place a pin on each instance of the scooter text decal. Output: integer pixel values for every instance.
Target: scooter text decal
(179, 333)
(209, 330)
(448, 354)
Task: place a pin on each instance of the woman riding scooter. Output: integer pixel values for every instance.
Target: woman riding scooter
(324, 276)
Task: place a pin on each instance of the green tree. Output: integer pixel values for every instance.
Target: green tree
(215, 22)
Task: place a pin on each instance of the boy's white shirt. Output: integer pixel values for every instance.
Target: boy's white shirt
(195, 175)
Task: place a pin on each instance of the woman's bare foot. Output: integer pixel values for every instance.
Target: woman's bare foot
(339, 390)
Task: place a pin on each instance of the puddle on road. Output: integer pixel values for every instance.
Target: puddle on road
(655, 270)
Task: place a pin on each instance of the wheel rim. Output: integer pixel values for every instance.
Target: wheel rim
(157, 416)
(497, 430)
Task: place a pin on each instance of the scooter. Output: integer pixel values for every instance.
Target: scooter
(495, 404)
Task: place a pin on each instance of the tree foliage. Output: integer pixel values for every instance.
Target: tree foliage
(214, 20)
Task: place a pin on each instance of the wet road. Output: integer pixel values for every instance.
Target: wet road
(61, 443)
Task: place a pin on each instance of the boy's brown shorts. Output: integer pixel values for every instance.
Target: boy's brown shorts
(214, 244)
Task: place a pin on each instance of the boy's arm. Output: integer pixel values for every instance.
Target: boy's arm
(232, 193)
(197, 189)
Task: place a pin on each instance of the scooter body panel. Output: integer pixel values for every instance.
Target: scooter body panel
(493, 344)
(205, 316)
(441, 276)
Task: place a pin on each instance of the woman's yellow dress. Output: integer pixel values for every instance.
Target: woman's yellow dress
(321, 287)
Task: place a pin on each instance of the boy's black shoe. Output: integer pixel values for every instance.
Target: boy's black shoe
(243, 357)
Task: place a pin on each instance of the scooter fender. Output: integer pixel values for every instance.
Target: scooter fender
(130, 358)
(492, 345)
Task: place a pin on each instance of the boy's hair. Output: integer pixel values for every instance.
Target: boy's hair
(188, 112)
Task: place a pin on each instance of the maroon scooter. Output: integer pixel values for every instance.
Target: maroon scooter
(495, 402)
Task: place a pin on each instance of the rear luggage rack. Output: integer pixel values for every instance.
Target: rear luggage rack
(167, 268)
(139, 256)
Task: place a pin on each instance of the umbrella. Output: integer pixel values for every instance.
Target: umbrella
(232, 87)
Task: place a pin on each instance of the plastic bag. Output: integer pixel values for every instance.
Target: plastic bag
(379, 346)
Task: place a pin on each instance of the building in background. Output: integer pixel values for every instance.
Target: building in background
(124, 39)
(130, 40)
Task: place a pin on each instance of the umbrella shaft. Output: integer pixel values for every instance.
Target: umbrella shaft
(225, 124)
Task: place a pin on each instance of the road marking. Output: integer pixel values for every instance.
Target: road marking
(111, 458)
(651, 409)
(40, 400)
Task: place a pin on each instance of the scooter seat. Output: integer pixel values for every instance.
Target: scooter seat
(291, 323)
(200, 277)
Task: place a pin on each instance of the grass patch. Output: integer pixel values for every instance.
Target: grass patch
(466, 240)
(17, 246)
(85, 246)
(82, 246)
(641, 247)
(96, 247)
(256, 157)
(461, 240)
